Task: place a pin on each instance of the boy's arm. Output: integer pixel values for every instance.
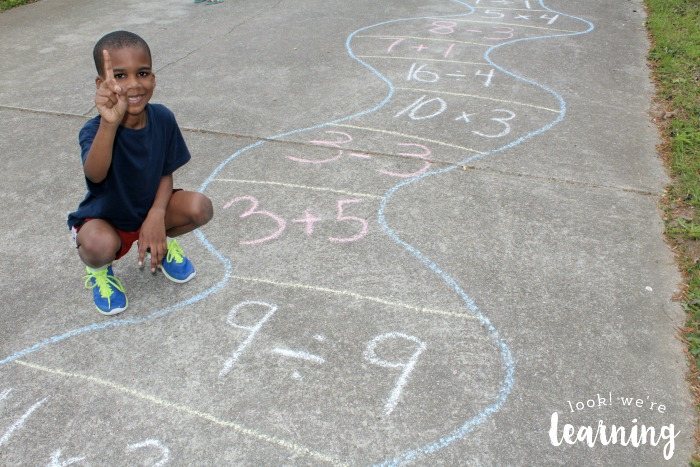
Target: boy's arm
(99, 157)
(111, 103)
(152, 233)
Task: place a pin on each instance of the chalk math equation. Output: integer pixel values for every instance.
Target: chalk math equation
(328, 338)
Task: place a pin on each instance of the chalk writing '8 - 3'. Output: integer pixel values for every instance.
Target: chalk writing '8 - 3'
(309, 220)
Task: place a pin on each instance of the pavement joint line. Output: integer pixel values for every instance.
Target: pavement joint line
(567, 181)
(435, 91)
(432, 161)
(398, 36)
(465, 168)
(311, 145)
(303, 187)
(511, 24)
(299, 449)
(376, 153)
(347, 293)
(226, 134)
(425, 59)
(183, 128)
(419, 138)
(510, 9)
(42, 111)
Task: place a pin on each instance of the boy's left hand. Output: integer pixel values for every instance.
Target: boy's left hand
(152, 236)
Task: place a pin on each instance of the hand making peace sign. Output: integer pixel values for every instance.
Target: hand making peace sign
(110, 98)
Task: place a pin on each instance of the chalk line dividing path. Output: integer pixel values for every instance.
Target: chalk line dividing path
(415, 121)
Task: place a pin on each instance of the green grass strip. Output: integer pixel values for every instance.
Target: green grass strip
(7, 4)
(674, 27)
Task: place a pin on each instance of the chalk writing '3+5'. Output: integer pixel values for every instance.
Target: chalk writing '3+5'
(309, 220)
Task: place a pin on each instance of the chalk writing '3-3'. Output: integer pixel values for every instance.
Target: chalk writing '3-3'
(342, 138)
(309, 220)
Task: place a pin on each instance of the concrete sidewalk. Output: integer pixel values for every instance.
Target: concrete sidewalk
(436, 227)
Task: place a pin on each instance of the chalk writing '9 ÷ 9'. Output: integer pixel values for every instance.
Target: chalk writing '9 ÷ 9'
(370, 353)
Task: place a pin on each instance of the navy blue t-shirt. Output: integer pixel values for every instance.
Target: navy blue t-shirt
(139, 159)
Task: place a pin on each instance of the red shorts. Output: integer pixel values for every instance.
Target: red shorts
(127, 238)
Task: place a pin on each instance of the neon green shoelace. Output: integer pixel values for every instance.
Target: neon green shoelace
(104, 282)
(175, 252)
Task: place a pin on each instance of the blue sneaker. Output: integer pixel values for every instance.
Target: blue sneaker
(175, 265)
(107, 290)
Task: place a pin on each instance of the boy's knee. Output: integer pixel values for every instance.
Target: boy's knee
(204, 211)
(98, 249)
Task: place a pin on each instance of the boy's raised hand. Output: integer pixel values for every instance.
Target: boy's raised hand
(110, 98)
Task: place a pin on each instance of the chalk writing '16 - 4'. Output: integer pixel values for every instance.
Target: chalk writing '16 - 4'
(420, 73)
(309, 220)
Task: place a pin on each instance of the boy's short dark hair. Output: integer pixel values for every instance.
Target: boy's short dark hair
(117, 40)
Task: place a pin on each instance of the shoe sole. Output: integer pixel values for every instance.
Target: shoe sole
(178, 281)
(114, 311)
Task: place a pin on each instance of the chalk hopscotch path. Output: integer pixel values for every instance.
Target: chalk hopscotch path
(321, 292)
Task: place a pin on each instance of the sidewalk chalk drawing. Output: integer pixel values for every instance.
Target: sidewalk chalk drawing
(447, 104)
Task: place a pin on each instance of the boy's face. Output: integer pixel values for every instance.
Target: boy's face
(132, 71)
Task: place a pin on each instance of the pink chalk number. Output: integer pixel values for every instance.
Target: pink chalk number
(309, 220)
(342, 138)
(343, 218)
(423, 155)
(346, 138)
(253, 210)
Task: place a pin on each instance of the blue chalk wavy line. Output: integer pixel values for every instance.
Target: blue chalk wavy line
(507, 361)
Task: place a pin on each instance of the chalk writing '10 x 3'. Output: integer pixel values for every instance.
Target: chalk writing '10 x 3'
(424, 109)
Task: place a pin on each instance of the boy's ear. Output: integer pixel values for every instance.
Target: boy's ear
(98, 81)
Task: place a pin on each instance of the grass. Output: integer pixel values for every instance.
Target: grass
(7, 4)
(674, 28)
